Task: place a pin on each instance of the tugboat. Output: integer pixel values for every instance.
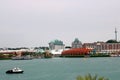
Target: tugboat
(14, 70)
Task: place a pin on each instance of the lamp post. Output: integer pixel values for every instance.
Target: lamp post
(115, 34)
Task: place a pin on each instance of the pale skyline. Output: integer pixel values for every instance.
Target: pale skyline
(29, 23)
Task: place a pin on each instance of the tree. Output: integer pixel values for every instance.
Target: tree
(89, 77)
(111, 41)
(47, 54)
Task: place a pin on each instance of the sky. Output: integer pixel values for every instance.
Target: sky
(31, 23)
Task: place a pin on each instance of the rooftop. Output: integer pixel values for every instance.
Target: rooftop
(56, 42)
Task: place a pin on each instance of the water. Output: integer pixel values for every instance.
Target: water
(61, 68)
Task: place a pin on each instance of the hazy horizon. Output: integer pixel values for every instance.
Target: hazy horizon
(29, 23)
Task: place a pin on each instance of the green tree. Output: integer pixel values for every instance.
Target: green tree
(111, 41)
(47, 54)
(1, 55)
(90, 77)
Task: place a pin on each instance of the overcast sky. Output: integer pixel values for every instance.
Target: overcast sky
(29, 23)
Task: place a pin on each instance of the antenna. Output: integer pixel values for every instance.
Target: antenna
(115, 34)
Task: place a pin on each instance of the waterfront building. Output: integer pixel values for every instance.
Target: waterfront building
(56, 47)
(103, 47)
(56, 53)
(76, 43)
(15, 53)
(56, 44)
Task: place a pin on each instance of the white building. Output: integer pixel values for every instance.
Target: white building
(56, 45)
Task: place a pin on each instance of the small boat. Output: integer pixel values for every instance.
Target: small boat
(15, 70)
(28, 57)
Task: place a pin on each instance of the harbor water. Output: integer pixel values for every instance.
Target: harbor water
(61, 68)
